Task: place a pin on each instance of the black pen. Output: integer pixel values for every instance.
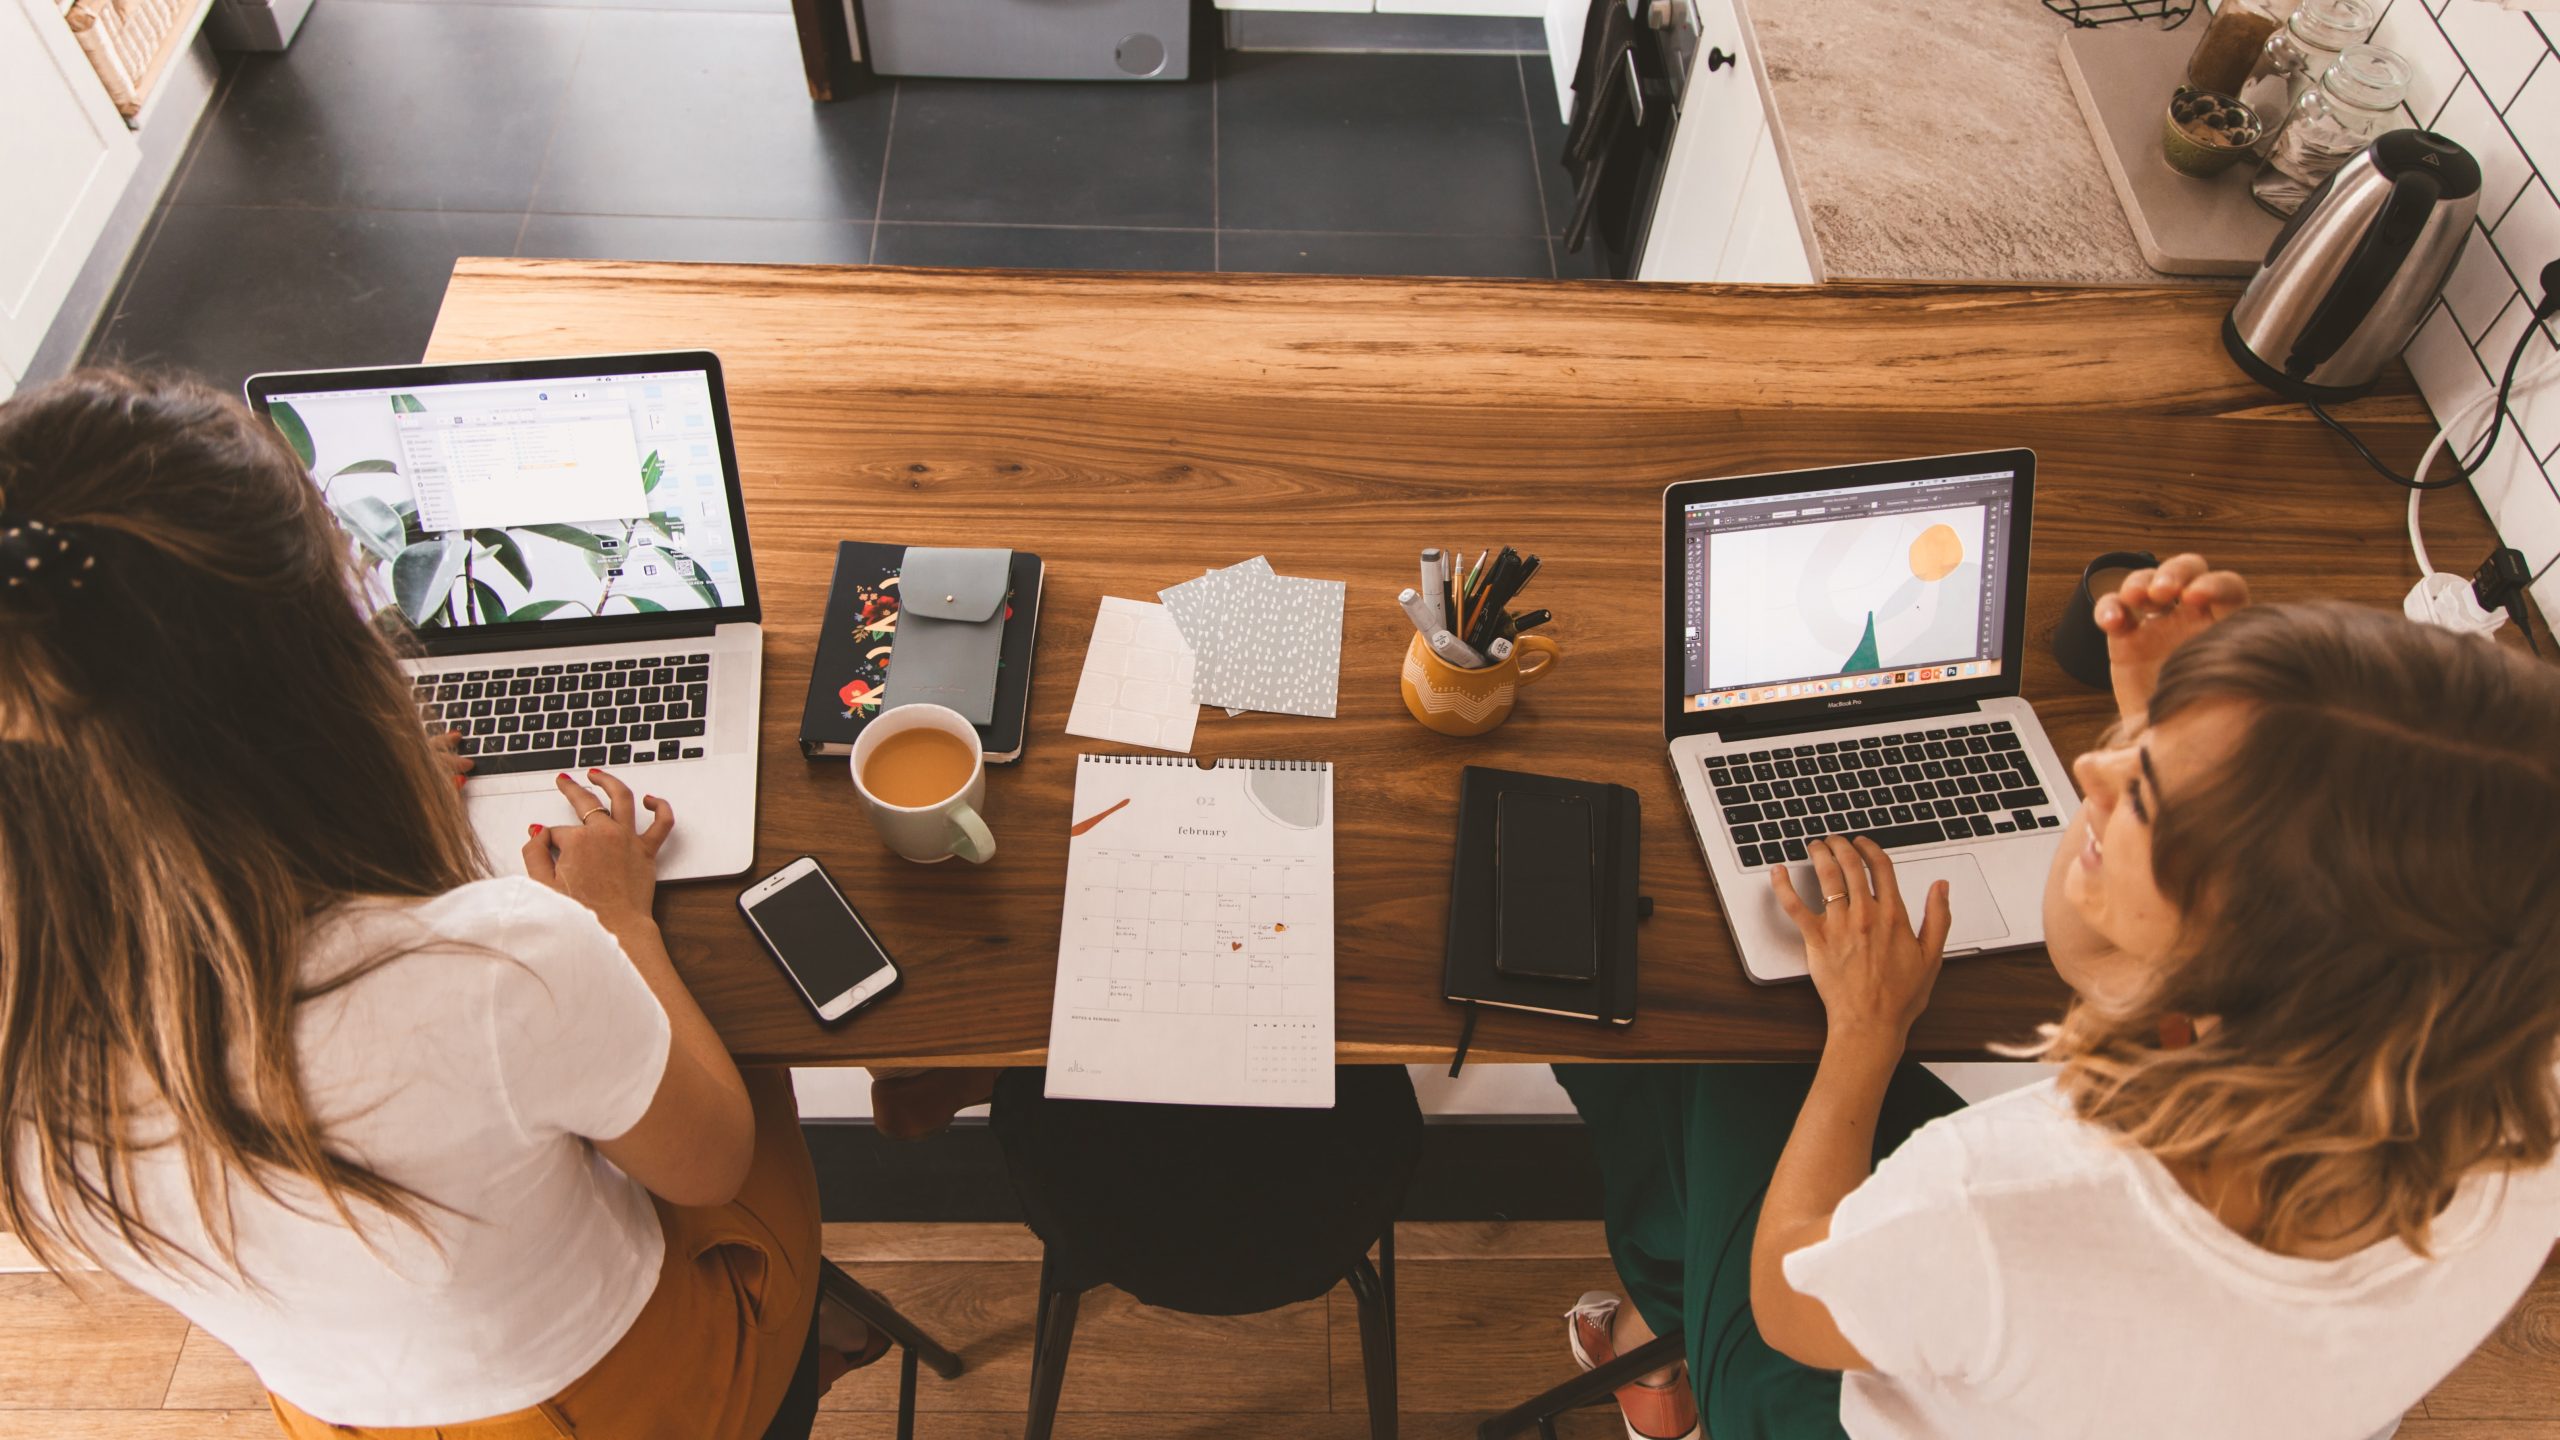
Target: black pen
(1498, 589)
(1531, 621)
(1480, 608)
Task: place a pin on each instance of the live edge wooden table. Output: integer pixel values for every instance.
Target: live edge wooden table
(1135, 429)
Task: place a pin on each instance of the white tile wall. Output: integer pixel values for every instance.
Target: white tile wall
(2488, 79)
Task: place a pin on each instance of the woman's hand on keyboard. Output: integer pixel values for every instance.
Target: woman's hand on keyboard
(603, 859)
(454, 760)
(2153, 613)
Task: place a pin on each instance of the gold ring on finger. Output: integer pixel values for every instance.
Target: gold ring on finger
(587, 815)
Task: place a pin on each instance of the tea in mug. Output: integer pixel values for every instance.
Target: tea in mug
(919, 767)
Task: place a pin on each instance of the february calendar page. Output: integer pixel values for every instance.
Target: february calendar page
(1195, 956)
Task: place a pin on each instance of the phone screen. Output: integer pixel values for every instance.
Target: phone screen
(818, 938)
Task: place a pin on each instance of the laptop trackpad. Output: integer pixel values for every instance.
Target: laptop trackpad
(1976, 917)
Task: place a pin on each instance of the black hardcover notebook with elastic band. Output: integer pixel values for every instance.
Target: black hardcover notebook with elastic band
(1542, 898)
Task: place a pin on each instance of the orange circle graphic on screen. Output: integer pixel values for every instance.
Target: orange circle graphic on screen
(1936, 553)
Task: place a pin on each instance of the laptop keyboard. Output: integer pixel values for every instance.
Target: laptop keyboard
(1959, 782)
(569, 716)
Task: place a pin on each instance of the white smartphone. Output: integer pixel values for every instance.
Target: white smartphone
(818, 940)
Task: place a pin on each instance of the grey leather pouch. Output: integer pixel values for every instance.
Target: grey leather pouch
(950, 630)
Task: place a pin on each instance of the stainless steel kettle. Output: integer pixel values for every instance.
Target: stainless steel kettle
(2353, 272)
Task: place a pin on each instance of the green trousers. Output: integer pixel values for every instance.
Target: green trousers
(1686, 1152)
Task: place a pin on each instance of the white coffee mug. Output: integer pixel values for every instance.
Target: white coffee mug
(932, 833)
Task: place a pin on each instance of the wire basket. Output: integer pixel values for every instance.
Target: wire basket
(128, 42)
(2089, 14)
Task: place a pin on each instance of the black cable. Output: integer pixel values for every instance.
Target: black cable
(2464, 467)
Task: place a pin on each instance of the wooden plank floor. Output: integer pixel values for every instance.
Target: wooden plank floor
(1477, 1306)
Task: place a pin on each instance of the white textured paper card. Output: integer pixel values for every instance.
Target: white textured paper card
(1136, 685)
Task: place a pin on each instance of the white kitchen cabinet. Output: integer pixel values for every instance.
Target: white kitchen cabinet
(1727, 208)
(1767, 245)
(65, 155)
(1564, 20)
(1524, 9)
(1530, 9)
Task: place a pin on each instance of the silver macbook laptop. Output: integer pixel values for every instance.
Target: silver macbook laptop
(567, 540)
(1841, 655)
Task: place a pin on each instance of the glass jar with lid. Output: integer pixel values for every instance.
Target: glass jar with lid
(2232, 43)
(2296, 56)
(2357, 99)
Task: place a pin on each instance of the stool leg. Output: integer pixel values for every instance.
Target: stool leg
(1049, 1359)
(1387, 1280)
(1377, 1348)
(906, 1393)
(1040, 1320)
(842, 1288)
(1387, 1264)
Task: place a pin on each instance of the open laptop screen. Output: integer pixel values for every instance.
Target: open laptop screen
(1868, 590)
(474, 500)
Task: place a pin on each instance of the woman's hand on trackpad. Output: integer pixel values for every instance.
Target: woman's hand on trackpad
(1873, 971)
(602, 858)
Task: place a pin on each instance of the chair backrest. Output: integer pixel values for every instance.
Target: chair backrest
(1210, 1210)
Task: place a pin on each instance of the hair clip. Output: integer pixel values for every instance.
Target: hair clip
(33, 553)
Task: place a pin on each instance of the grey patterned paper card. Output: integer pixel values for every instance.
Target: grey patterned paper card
(1210, 612)
(1291, 660)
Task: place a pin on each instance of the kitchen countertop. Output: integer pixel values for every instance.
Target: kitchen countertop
(1941, 142)
(1133, 428)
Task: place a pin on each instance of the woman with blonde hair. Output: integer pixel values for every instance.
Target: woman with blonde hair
(2298, 1157)
(435, 1153)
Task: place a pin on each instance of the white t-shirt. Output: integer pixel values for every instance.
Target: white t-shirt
(467, 1070)
(2013, 1271)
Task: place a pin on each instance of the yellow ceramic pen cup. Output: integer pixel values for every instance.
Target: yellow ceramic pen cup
(1470, 702)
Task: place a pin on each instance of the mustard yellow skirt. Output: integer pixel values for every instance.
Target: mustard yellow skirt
(714, 1350)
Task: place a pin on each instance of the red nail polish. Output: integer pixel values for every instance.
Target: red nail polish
(533, 829)
(593, 770)
(564, 774)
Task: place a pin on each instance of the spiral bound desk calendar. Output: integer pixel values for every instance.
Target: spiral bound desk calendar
(1195, 949)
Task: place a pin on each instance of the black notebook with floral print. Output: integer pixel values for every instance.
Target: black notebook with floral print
(858, 639)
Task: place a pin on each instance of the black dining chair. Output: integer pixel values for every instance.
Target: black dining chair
(799, 1412)
(1592, 1387)
(1211, 1210)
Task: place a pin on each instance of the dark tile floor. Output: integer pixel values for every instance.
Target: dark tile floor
(331, 188)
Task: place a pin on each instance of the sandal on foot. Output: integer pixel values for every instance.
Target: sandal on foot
(837, 1288)
(1664, 1411)
(876, 1343)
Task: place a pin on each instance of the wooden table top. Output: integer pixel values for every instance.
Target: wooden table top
(1134, 429)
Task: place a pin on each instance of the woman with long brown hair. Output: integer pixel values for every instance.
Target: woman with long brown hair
(2298, 1157)
(434, 1152)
